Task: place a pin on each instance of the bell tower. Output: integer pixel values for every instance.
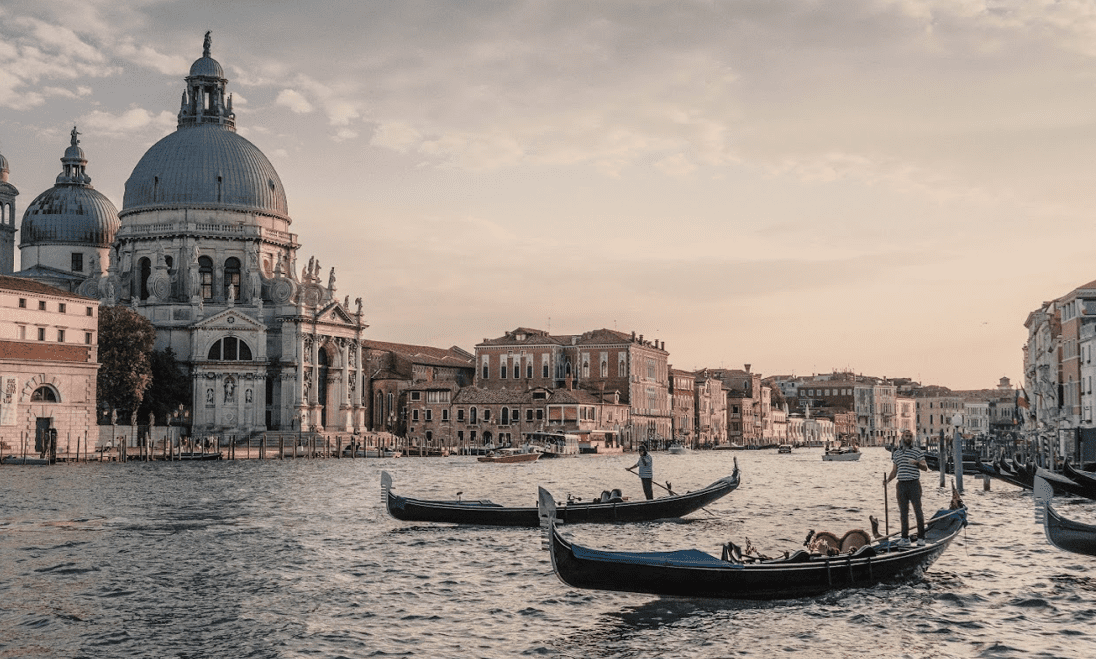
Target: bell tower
(7, 220)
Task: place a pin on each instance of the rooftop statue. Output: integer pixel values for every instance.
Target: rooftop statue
(207, 43)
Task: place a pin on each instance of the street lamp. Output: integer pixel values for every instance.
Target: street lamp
(178, 418)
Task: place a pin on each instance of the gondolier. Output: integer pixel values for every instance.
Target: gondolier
(646, 471)
(909, 462)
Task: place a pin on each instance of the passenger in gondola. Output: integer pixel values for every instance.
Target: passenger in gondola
(646, 471)
(909, 462)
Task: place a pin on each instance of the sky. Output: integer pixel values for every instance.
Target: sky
(886, 187)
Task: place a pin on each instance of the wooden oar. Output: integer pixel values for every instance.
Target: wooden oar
(886, 503)
(667, 488)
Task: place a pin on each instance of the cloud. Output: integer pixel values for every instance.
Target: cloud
(344, 134)
(149, 57)
(133, 119)
(293, 100)
(397, 136)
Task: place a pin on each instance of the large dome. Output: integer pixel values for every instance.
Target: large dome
(205, 165)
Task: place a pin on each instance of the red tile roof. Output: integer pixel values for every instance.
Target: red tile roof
(22, 285)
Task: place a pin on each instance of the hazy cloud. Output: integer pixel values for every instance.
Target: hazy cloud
(293, 100)
(133, 119)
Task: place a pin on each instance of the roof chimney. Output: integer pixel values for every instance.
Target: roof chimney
(747, 368)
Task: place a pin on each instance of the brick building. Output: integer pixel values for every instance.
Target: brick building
(48, 366)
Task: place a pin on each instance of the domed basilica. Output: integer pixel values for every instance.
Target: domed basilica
(203, 248)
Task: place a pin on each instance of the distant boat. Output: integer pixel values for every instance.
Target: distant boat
(784, 448)
(841, 454)
(677, 448)
(509, 455)
(199, 455)
(17, 460)
(371, 452)
(609, 508)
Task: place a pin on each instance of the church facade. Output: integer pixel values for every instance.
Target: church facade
(203, 248)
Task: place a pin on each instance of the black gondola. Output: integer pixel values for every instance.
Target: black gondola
(1086, 478)
(1019, 476)
(614, 509)
(694, 573)
(971, 463)
(1065, 534)
(1064, 485)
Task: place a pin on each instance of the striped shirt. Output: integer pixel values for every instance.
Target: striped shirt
(902, 456)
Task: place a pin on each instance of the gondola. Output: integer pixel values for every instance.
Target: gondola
(694, 573)
(605, 510)
(1086, 478)
(1064, 485)
(1020, 477)
(971, 463)
(1065, 534)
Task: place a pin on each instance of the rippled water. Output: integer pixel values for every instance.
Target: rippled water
(299, 559)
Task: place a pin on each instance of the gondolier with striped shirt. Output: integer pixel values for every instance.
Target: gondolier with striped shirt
(909, 462)
(646, 471)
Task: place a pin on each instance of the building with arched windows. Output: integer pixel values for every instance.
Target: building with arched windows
(203, 248)
(206, 252)
(48, 366)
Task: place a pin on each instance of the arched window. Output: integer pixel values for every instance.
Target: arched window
(205, 277)
(229, 349)
(232, 277)
(146, 270)
(44, 394)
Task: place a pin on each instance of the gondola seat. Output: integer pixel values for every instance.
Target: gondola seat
(865, 552)
(800, 556)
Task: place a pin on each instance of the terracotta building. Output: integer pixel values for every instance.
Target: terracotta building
(48, 366)
(600, 362)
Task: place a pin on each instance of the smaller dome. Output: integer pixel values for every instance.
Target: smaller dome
(69, 214)
(206, 67)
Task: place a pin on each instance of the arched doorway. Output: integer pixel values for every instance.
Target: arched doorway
(321, 386)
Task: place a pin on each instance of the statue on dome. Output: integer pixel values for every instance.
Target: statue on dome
(74, 133)
(207, 43)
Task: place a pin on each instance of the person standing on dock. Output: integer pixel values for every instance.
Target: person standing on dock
(909, 462)
(646, 471)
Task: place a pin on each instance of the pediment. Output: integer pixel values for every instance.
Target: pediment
(230, 320)
(335, 313)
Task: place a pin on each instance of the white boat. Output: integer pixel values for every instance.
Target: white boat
(677, 448)
(371, 452)
(841, 454)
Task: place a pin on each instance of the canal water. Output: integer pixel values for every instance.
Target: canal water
(299, 559)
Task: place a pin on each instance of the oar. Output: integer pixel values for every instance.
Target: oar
(672, 493)
(886, 503)
(665, 487)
